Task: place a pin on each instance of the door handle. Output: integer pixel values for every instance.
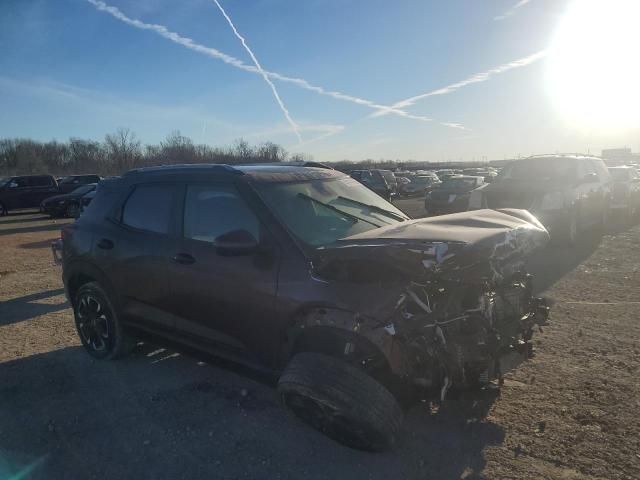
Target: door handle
(105, 244)
(184, 258)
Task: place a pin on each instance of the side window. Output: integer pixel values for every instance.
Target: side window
(585, 168)
(149, 208)
(214, 210)
(40, 182)
(20, 182)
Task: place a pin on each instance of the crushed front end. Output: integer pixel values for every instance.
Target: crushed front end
(460, 310)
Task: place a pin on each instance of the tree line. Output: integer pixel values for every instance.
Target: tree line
(121, 151)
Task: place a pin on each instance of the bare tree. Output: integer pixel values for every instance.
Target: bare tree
(123, 149)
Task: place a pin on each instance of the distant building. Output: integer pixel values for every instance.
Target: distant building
(620, 156)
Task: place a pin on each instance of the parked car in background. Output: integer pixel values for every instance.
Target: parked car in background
(419, 185)
(25, 191)
(486, 173)
(311, 276)
(625, 191)
(68, 204)
(567, 193)
(70, 183)
(86, 200)
(383, 182)
(452, 195)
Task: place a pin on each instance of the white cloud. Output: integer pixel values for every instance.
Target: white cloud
(476, 78)
(230, 60)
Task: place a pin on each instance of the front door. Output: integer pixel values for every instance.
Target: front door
(225, 298)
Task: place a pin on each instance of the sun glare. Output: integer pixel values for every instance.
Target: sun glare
(594, 64)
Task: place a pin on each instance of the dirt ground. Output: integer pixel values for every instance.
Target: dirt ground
(569, 413)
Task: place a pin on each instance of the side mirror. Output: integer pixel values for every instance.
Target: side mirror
(236, 243)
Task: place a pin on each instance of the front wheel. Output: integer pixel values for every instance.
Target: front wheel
(98, 325)
(341, 401)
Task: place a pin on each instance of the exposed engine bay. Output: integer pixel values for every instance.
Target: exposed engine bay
(460, 310)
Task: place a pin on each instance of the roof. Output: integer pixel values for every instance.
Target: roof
(575, 156)
(256, 172)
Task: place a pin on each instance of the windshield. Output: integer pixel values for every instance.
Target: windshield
(540, 169)
(84, 189)
(319, 212)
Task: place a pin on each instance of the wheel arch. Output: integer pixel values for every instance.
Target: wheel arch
(342, 334)
(81, 273)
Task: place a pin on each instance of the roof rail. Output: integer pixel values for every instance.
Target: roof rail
(208, 167)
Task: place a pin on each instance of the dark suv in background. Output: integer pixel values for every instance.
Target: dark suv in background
(567, 193)
(309, 274)
(383, 182)
(25, 191)
(72, 182)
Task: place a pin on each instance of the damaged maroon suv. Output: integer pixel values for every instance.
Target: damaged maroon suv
(312, 275)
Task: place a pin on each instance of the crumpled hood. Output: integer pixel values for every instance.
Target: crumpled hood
(480, 243)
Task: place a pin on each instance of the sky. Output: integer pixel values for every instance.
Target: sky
(336, 79)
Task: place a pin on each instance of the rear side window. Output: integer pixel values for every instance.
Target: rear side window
(41, 181)
(214, 210)
(149, 208)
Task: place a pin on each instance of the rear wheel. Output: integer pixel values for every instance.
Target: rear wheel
(98, 325)
(341, 401)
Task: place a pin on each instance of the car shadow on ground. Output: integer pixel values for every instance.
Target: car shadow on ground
(23, 217)
(159, 414)
(35, 245)
(30, 306)
(32, 229)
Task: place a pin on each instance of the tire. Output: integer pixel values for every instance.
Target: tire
(3, 210)
(98, 324)
(341, 401)
(72, 210)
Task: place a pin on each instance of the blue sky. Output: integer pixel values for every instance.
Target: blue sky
(69, 69)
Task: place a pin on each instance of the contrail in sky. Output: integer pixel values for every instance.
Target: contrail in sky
(477, 78)
(512, 10)
(293, 124)
(230, 60)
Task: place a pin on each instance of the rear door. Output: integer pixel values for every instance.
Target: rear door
(226, 299)
(41, 187)
(132, 248)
